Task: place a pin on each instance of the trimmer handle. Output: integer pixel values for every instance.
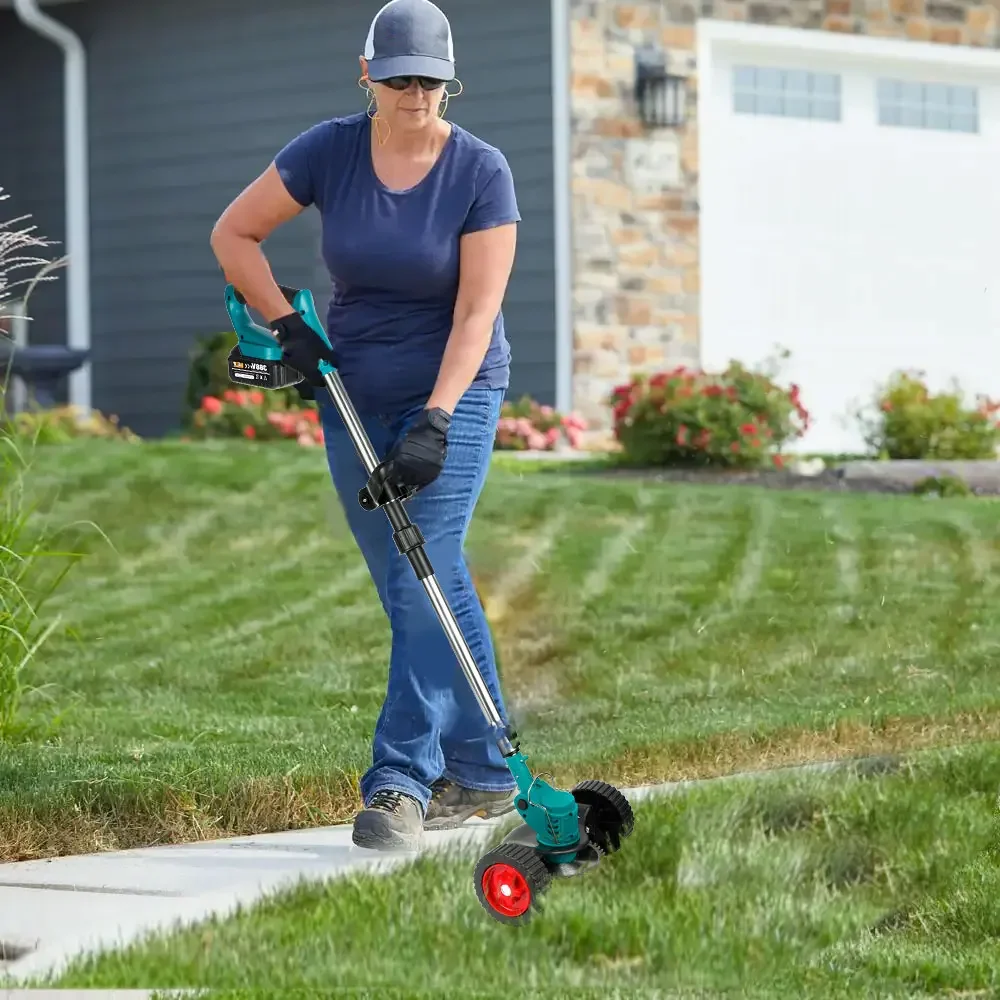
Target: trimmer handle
(257, 342)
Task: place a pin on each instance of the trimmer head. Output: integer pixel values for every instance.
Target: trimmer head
(511, 879)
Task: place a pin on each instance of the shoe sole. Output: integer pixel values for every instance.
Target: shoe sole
(378, 835)
(373, 841)
(473, 812)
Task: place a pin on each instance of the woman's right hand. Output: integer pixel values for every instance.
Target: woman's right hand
(302, 347)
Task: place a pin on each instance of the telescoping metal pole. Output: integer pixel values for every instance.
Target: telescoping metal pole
(410, 543)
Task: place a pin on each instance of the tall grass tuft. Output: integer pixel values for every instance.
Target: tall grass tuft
(31, 567)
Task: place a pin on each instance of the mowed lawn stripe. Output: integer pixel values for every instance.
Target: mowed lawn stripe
(651, 631)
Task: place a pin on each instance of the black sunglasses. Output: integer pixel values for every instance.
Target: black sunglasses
(402, 82)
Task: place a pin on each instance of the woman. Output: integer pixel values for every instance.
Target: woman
(419, 228)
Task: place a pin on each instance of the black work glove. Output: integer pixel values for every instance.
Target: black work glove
(419, 458)
(302, 347)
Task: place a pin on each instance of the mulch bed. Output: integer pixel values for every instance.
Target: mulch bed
(843, 479)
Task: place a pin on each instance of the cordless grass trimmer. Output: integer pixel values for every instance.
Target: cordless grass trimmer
(563, 833)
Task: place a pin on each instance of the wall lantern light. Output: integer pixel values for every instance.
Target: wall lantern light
(660, 96)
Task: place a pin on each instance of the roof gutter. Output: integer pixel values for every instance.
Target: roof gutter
(77, 187)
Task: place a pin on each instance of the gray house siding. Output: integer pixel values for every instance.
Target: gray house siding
(31, 163)
(190, 100)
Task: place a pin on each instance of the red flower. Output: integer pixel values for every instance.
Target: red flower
(257, 397)
(682, 433)
(748, 429)
(211, 405)
(779, 462)
(249, 432)
(735, 447)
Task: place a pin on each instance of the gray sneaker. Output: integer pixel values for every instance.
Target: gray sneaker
(451, 805)
(390, 822)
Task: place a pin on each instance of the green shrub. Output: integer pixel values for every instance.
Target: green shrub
(734, 418)
(910, 422)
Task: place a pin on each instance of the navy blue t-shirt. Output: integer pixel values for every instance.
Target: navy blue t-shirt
(393, 256)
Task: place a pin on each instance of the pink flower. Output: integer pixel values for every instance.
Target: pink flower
(211, 405)
(306, 440)
(536, 441)
(552, 435)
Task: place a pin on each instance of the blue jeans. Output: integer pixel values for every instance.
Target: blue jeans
(431, 725)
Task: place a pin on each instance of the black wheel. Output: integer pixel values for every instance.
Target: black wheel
(510, 881)
(609, 818)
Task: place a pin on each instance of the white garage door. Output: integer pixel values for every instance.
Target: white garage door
(850, 212)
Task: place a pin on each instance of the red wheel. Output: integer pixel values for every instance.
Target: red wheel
(509, 881)
(506, 890)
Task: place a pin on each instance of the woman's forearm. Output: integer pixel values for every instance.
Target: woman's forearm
(243, 263)
(467, 346)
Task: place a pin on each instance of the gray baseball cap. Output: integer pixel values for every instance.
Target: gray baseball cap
(410, 38)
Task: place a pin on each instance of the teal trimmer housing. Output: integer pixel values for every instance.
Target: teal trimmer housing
(562, 833)
(255, 359)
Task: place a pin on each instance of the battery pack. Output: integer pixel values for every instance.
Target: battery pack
(260, 374)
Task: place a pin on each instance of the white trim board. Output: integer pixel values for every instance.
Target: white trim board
(761, 39)
(562, 210)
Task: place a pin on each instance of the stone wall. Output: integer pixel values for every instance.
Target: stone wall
(635, 190)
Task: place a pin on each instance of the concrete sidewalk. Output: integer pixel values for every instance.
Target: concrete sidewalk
(54, 910)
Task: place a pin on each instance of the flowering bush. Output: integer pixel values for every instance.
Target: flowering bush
(683, 417)
(256, 415)
(63, 423)
(528, 425)
(910, 422)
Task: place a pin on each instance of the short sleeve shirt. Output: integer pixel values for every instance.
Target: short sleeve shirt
(393, 256)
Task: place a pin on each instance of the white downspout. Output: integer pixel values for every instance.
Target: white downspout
(562, 202)
(77, 188)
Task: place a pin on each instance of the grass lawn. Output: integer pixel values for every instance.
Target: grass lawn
(838, 887)
(226, 660)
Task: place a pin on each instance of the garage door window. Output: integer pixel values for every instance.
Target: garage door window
(788, 93)
(938, 106)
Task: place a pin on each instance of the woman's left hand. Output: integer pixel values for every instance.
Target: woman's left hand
(419, 458)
